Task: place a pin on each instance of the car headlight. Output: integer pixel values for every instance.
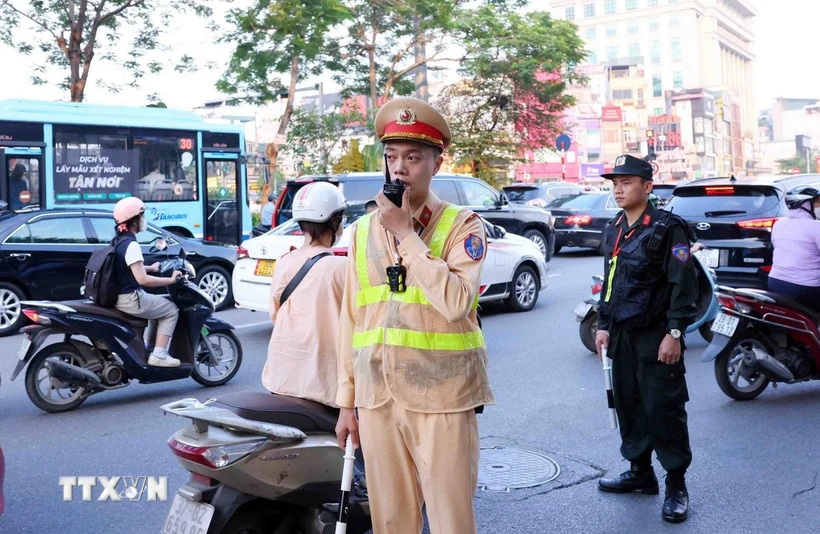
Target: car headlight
(190, 269)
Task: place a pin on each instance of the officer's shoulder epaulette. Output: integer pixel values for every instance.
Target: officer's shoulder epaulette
(670, 219)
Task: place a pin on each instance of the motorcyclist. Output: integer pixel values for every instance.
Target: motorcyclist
(796, 240)
(132, 275)
(302, 353)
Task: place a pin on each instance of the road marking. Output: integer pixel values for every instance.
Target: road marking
(253, 325)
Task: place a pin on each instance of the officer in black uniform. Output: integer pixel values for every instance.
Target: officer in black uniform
(647, 302)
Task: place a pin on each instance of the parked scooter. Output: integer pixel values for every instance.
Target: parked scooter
(762, 337)
(586, 312)
(260, 463)
(61, 376)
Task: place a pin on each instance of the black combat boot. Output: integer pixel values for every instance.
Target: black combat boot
(676, 504)
(639, 479)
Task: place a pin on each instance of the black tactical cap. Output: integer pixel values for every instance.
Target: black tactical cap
(627, 165)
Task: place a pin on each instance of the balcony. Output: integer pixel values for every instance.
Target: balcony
(746, 8)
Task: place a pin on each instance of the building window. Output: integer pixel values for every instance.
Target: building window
(622, 94)
(611, 32)
(633, 28)
(674, 22)
(677, 80)
(629, 136)
(592, 58)
(676, 49)
(658, 111)
(609, 7)
(591, 34)
(640, 97)
(631, 4)
(589, 10)
(651, 3)
(612, 52)
(570, 11)
(654, 25)
(657, 89)
(655, 51)
(634, 49)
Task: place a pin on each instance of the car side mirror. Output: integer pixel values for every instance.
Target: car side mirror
(499, 232)
(159, 244)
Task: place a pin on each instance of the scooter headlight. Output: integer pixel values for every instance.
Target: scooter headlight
(190, 269)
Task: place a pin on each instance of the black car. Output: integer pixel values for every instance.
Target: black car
(793, 182)
(664, 192)
(540, 194)
(44, 255)
(733, 218)
(531, 222)
(580, 220)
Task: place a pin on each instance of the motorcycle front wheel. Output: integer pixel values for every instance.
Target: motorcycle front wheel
(734, 377)
(220, 364)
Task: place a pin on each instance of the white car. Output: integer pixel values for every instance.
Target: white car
(514, 269)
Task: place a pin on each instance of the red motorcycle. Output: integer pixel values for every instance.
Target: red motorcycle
(762, 337)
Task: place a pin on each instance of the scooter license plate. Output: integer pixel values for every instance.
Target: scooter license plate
(23, 350)
(725, 325)
(582, 309)
(188, 517)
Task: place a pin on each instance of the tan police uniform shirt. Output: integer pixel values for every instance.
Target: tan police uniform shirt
(440, 381)
(302, 359)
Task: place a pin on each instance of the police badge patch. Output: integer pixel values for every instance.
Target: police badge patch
(474, 246)
(681, 252)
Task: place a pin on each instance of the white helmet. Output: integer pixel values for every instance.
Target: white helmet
(317, 202)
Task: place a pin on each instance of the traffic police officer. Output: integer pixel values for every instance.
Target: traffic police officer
(647, 302)
(412, 358)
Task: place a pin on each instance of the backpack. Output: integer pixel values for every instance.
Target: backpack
(100, 281)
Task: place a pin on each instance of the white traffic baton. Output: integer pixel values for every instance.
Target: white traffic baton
(347, 483)
(610, 398)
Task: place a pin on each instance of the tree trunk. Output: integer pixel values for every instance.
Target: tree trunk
(272, 150)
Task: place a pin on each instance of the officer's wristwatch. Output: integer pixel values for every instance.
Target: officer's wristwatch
(675, 333)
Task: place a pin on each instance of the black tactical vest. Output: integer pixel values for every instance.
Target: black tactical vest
(640, 288)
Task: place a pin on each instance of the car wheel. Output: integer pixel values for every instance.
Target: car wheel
(538, 238)
(216, 283)
(524, 290)
(11, 311)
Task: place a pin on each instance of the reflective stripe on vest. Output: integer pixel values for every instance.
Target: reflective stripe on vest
(399, 337)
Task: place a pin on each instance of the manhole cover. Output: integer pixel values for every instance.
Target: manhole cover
(503, 469)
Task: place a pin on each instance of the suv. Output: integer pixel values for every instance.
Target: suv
(540, 194)
(531, 222)
(664, 192)
(733, 219)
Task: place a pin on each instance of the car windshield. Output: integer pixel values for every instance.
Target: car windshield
(663, 192)
(718, 201)
(575, 201)
(521, 194)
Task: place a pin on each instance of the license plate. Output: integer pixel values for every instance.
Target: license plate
(21, 353)
(188, 517)
(710, 257)
(264, 267)
(582, 309)
(725, 325)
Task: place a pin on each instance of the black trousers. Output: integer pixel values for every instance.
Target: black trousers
(650, 399)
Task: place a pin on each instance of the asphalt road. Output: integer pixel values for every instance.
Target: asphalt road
(751, 460)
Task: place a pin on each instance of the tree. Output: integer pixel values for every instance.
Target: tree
(312, 136)
(72, 33)
(275, 38)
(516, 69)
(376, 55)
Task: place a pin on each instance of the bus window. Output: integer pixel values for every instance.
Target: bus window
(167, 166)
(24, 183)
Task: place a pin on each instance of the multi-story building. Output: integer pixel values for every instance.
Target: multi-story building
(682, 44)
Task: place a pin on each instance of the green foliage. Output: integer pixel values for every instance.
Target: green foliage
(516, 70)
(68, 36)
(312, 136)
(787, 164)
(268, 37)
